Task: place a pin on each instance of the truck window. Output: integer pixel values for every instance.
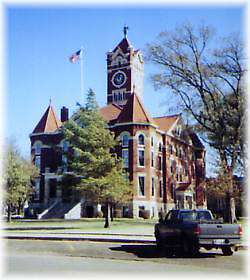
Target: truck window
(204, 215)
(171, 216)
(188, 216)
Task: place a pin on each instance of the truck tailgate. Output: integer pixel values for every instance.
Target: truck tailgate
(219, 230)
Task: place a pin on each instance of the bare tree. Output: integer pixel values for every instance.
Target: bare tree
(207, 77)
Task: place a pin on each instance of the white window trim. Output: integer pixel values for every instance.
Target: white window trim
(138, 161)
(138, 185)
(127, 150)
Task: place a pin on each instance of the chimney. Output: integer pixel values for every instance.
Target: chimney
(64, 114)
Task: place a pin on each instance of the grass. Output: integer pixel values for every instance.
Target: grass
(83, 225)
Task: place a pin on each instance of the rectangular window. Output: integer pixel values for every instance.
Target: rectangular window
(37, 190)
(38, 161)
(172, 189)
(160, 188)
(152, 141)
(177, 173)
(125, 158)
(186, 169)
(172, 166)
(159, 163)
(152, 159)
(141, 157)
(141, 185)
(153, 187)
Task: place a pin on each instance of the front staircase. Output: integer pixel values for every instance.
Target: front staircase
(57, 210)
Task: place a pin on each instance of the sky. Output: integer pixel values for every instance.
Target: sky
(40, 39)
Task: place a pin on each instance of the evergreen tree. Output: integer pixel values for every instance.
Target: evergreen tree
(18, 174)
(94, 168)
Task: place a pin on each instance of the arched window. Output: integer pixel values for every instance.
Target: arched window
(141, 139)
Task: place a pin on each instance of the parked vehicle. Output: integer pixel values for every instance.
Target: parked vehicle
(189, 230)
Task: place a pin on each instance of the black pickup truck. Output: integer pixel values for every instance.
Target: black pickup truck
(189, 230)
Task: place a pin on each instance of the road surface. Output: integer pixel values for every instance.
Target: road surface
(23, 257)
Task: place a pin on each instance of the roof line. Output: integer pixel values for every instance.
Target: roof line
(169, 116)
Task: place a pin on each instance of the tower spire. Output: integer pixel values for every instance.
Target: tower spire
(125, 30)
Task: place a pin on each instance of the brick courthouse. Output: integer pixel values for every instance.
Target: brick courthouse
(165, 160)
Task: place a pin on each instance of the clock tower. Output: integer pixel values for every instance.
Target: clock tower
(125, 72)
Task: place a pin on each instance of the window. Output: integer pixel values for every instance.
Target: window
(152, 141)
(172, 188)
(177, 173)
(152, 159)
(125, 158)
(176, 151)
(141, 185)
(65, 146)
(171, 166)
(141, 157)
(38, 147)
(153, 187)
(170, 149)
(37, 189)
(141, 139)
(160, 147)
(125, 140)
(160, 188)
(38, 162)
(186, 168)
(181, 174)
(159, 163)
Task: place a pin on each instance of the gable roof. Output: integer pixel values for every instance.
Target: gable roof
(110, 112)
(166, 122)
(48, 123)
(134, 111)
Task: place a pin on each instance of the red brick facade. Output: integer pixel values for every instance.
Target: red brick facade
(165, 159)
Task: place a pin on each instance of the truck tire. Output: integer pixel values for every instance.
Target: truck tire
(227, 251)
(189, 248)
(158, 241)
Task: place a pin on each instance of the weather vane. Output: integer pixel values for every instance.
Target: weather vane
(125, 30)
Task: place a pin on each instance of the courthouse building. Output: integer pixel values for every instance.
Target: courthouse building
(164, 158)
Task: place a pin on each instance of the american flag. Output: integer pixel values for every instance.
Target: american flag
(75, 57)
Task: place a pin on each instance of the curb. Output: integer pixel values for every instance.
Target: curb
(96, 239)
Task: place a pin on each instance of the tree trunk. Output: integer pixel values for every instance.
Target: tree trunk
(107, 215)
(112, 212)
(230, 216)
(9, 213)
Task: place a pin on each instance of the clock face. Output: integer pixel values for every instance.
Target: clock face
(119, 78)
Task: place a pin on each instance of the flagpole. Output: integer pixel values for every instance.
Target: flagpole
(81, 73)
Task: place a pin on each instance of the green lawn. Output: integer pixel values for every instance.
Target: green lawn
(84, 225)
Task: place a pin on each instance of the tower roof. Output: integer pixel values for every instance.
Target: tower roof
(110, 112)
(134, 111)
(124, 45)
(48, 123)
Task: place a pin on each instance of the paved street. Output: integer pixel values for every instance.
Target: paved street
(23, 256)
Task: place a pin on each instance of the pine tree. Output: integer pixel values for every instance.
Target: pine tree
(94, 168)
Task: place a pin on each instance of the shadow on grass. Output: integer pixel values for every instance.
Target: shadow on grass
(151, 251)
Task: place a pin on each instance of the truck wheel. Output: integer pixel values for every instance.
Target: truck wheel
(189, 248)
(158, 242)
(227, 251)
